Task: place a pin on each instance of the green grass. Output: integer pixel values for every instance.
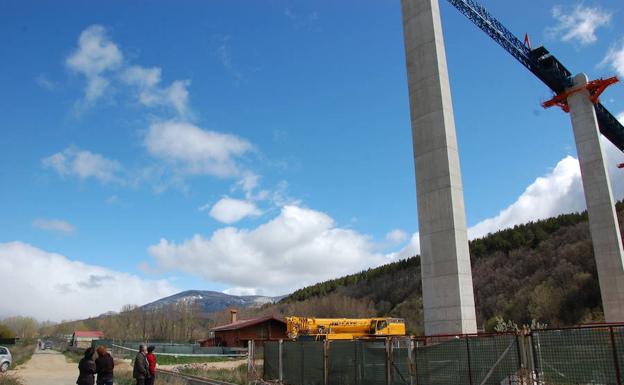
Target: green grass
(177, 360)
(72, 356)
(124, 378)
(21, 352)
(166, 380)
(237, 375)
(8, 379)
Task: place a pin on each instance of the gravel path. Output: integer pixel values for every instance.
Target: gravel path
(47, 367)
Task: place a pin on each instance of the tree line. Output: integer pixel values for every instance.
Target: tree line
(180, 322)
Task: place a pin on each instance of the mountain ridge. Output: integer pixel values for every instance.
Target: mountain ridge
(212, 301)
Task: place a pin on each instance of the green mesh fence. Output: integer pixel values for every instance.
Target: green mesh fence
(400, 362)
(494, 359)
(442, 363)
(618, 339)
(271, 360)
(484, 361)
(584, 355)
(342, 362)
(373, 362)
(303, 363)
(575, 356)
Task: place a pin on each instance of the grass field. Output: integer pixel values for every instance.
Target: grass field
(237, 375)
(8, 379)
(72, 356)
(177, 360)
(21, 352)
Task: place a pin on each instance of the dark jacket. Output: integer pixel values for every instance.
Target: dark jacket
(141, 367)
(87, 371)
(104, 367)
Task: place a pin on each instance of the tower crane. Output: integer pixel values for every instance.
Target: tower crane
(546, 67)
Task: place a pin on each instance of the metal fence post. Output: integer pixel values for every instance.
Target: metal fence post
(280, 361)
(358, 362)
(520, 366)
(251, 344)
(388, 361)
(411, 362)
(615, 357)
(325, 362)
(302, 372)
(535, 358)
(469, 367)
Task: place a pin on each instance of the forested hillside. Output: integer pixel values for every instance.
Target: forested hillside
(543, 270)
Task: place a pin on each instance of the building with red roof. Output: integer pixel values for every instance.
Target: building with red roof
(82, 339)
(237, 333)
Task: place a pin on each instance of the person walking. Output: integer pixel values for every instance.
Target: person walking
(151, 358)
(86, 367)
(141, 371)
(104, 366)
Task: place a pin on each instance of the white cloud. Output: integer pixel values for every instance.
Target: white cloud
(228, 210)
(620, 117)
(412, 248)
(96, 54)
(615, 60)
(224, 56)
(397, 236)
(578, 24)
(54, 225)
(43, 82)
(98, 58)
(298, 247)
(147, 81)
(248, 182)
(243, 291)
(42, 284)
(558, 192)
(197, 151)
(83, 164)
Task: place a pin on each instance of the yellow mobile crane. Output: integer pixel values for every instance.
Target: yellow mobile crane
(343, 328)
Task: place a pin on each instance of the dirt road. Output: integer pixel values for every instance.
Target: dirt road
(47, 367)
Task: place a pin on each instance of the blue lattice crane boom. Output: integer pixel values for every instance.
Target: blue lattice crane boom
(539, 61)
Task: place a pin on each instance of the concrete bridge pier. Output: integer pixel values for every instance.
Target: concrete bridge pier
(448, 298)
(603, 222)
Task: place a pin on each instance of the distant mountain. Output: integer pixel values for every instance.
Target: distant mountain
(212, 301)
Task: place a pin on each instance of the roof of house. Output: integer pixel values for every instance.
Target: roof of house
(245, 323)
(94, 333)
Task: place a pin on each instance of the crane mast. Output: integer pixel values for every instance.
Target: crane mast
(539, 61)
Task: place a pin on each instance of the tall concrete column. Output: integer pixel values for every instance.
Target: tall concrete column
(603, 222)
(448, 297)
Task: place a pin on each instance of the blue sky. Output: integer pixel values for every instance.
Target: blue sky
(256, 147)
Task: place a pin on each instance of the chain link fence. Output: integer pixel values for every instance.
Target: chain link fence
(583, 355)
(588, 355)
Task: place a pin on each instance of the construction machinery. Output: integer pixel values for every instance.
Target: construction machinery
(320, 329)
(545, 66)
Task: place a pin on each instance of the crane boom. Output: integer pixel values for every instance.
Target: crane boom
(539, 61)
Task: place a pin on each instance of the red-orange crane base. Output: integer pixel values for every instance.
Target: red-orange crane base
(595, 88)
